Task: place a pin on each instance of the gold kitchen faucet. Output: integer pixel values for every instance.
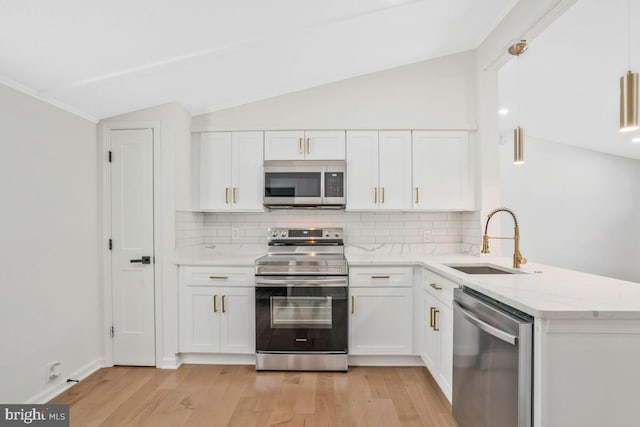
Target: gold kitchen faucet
(518, 259)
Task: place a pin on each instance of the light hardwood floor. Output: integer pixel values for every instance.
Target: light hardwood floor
(217, 395)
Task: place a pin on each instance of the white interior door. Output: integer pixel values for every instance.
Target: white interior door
(132, 235)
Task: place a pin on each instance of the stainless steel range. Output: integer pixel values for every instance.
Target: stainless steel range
(302, 301)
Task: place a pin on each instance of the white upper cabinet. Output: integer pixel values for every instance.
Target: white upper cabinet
(441, 174)
(362, 169)
(325, 145)
(284, 145)
(304, 145)
(395, 169)
(231, 171)
(215, 170)
(379, 170)
(247, 171)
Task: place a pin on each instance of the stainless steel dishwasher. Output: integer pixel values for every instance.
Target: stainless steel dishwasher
(492, 362)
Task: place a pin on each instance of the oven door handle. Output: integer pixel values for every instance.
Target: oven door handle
(299, 282)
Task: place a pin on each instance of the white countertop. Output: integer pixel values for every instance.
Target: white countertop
(542, 291)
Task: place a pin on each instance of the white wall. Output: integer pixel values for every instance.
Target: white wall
(434, 94)
(577, 209)
(174, 189)
(51, 303)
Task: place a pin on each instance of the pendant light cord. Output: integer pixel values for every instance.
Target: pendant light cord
(518, 89)
(629, 34)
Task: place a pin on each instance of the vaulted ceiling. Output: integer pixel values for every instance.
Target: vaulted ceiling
(569, 79)
(102, 58)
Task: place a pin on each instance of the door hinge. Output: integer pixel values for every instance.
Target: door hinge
(112, 332)
(110, 157)
(110, 244)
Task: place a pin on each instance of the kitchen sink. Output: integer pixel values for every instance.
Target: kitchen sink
(481, 269)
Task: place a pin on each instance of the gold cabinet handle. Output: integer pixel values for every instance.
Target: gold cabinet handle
(382, 194)
(435, 319)
(226, 194)
(223, 310)
(436, 287)
(417, 195)
(386, 276)
(375, 194)
(234, 195)
(308, 145)
(431, 316)
(215, 303)
(218, 277)
(353, 304)
(300, 146)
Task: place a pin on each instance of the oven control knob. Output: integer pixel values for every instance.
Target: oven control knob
(274, 234)
(336, 234)
(283, 234)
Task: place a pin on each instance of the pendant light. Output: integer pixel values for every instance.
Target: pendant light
(629, 88)
(517, 49)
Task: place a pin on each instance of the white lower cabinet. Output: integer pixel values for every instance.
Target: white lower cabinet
(381, 311)
(216, 319)
(437, 321)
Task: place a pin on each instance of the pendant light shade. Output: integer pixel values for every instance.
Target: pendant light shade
(518, 146)
(629, 88)
(629, 102)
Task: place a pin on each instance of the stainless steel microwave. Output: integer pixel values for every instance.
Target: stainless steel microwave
(305, 183)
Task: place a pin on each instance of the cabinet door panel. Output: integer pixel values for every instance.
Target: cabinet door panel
(431, 340)
(362, 170)
(381, 321)
(325, 145)
(215, 170)
(284, 145)
(238, 320)
(440, 170)
(247, 171)
(395, 169)
(200, 329)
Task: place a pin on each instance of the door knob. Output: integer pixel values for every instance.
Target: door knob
(142, 260)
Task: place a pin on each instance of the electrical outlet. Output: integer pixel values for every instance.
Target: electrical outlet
(427, 237)
(235, 234)
(54, 370)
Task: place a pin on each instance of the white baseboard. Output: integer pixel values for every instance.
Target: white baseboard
(385, 361)
(170, 362)
(59, 385)
(250, 359)
(217, 359)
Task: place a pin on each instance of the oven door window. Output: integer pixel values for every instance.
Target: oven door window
(292, 184)
(301, 312)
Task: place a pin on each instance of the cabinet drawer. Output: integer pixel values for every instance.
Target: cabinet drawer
(439, 286)
(222, 276)
(380, 276)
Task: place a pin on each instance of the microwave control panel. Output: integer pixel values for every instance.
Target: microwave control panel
(334, 184)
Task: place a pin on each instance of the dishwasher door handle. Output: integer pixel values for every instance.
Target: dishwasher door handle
(492, 330)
